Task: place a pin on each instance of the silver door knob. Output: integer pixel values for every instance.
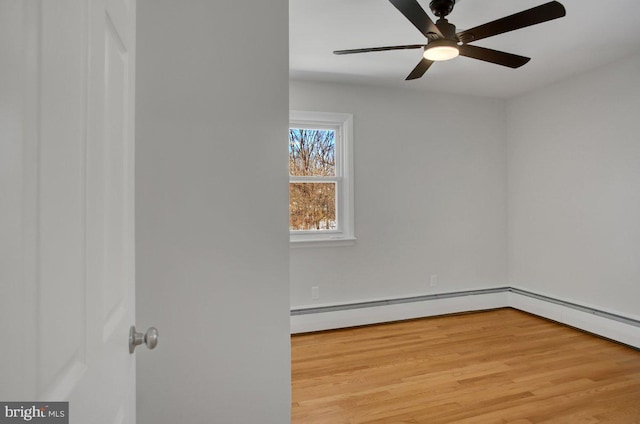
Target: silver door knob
(150, 338)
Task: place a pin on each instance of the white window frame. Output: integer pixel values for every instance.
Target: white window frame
(342, 124)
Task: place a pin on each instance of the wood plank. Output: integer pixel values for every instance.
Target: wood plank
(488, 367)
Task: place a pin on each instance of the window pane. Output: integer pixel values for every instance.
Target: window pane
(312, 206)
(312, 152)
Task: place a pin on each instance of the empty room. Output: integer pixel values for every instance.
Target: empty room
(477, 187)
(455, 237)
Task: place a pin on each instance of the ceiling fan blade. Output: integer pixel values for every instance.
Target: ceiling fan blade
(494, 56)
(418, 17)
(419, 70)
(533, 16)
(380, 49)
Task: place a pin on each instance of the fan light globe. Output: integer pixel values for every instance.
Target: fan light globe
(440, 50)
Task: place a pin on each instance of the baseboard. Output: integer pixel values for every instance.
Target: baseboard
(329, 317)
(606, 324)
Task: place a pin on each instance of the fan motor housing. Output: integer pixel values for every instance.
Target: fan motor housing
(448, 30)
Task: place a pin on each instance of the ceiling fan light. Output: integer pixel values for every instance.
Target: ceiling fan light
(440, 50)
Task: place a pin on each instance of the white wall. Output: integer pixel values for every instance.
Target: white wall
(430, 196)
(212, 238)
(574, 189)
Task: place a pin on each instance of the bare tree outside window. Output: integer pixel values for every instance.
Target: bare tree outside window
(312, 204)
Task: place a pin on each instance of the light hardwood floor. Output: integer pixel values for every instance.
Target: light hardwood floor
(501, 366)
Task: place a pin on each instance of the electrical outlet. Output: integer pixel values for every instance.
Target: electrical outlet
(315, 292)
(434, 280)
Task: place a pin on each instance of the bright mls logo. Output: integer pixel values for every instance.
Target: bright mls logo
(34, 412)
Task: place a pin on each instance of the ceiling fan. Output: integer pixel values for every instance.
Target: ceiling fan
(443, 43)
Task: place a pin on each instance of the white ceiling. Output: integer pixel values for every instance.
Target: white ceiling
(592, 34)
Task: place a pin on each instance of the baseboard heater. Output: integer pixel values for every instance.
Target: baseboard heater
(590, 324)
(395, 301)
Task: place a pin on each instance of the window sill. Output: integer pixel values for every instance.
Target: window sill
(322, 242)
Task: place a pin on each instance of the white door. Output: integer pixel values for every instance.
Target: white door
(66, 212)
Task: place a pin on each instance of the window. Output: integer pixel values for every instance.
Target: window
(320, 178)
